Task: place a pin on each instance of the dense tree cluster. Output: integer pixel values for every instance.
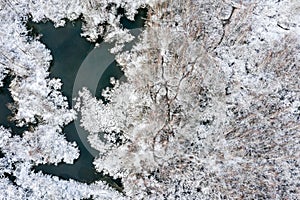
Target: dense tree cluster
(38, 101)
(209, 109)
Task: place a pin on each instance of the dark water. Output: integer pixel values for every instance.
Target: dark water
(114, 70)
(5, 112)
(69, 50)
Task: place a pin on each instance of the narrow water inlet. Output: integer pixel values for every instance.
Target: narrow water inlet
(5, 112)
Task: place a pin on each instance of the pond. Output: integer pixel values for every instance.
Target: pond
(69, 50)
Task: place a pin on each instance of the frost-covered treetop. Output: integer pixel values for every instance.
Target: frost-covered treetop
(38, 100)
(210, 109)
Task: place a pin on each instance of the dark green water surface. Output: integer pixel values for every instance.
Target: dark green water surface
(69, 50)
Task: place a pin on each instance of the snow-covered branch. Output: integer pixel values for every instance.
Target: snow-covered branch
(38, 100)
(210, 108)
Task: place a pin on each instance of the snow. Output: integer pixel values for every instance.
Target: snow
(211, 102)
(204, 112)
(39, 101)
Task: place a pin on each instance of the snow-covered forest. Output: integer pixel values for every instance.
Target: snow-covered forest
(210, 108)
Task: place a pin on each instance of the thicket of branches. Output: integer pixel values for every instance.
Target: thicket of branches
(210, 109)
